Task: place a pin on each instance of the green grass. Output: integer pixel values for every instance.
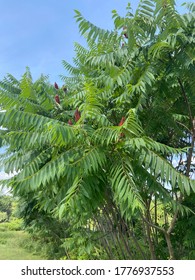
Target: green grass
(12, 245)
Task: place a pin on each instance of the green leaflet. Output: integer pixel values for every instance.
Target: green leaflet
(126, 192)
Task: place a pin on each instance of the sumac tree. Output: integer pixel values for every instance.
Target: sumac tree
(102, 159)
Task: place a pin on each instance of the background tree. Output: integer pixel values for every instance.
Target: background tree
(6, 205)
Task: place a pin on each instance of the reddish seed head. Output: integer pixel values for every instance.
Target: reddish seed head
(77, 115)
(122, 121)
(69, 122)
(57, 99)
(56, 86)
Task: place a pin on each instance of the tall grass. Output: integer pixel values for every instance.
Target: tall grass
(13, 243)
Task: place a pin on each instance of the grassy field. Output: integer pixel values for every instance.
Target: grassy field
(12, 245)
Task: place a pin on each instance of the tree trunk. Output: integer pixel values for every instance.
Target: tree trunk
(149, 232)
(150, 243)
(169, 245)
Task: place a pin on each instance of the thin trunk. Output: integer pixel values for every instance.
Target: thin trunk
(144, 230)
(132, 236)
(137, 245)
(155, 211)
(150, 243)
(116, 213)
(116, 237)
(156, 219)
(123, 237)
(105, 241)
(149, 231)
(190, 152)
(170, 247)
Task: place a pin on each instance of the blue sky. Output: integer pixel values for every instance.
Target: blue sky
(41, 33)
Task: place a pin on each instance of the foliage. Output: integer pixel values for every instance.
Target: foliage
(6, 205)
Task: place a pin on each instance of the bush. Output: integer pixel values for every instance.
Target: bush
(14, 224)
(3, 217)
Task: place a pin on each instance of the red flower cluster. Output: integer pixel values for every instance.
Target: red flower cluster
(120, 124)
(77, 115)
(57, 98)
(122, 121)
(56, 86)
